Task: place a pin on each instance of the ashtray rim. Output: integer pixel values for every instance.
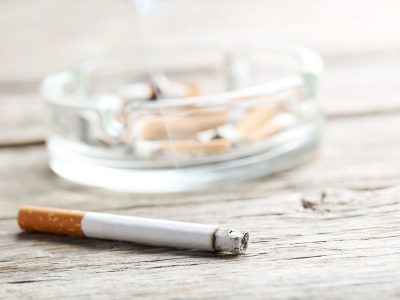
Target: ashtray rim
(311, 66)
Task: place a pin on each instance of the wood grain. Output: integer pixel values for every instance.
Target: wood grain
(22, 120)
(328, 229)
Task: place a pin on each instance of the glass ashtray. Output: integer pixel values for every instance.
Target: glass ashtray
(184, 117)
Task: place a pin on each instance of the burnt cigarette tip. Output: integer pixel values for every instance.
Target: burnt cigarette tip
(231, 240)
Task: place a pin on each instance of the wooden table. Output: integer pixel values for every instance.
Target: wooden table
(329, 229)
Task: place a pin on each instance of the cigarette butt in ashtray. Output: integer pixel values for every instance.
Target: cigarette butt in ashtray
(136, 91)
(192, 89)
(265, 121)
(195, 147)
(146, 231)
(103, 124)
(170, 88)
(150, 149)
(280, 122)
(257, 117)
(160, 88)
(178, 127)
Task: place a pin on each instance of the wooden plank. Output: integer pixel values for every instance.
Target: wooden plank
(361, 84)
(22, 119)
(335, 244)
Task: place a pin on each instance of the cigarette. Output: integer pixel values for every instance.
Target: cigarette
(195, 147)
(277, 124)
(256, 118)
(104, 124)
(137, 91)
(227, 131)
(179, 127)
(150, 149)
(169, 88)
(145, 231)
(160, 87)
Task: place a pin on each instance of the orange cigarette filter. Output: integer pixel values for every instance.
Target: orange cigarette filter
(51, 220)
(193, 147)
(180, 127)
(193, 89)
(257, 117)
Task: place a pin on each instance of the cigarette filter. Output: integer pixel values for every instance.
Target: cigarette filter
(146, 231)
(278, 123)
(257, 118)
(150, 149)
(179, 127)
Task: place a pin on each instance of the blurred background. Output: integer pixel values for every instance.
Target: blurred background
(358, 39)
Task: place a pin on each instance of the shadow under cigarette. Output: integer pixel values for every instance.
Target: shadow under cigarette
(97, 245)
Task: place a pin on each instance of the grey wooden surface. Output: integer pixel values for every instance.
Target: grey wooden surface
(327, 229)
